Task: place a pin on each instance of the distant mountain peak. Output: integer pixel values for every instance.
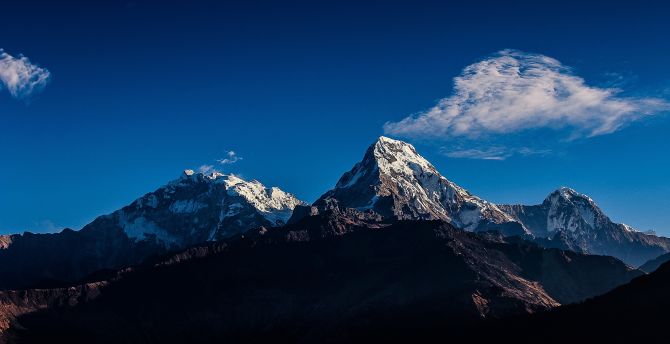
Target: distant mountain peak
(570, 219)
(568, 209)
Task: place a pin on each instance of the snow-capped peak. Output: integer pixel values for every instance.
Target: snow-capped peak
(567, 195)
(264, 199)
(394, 180)
(570, 194)
(569, 208)
(394, 156)
(387, 157)
(201, 206)
(573, 220)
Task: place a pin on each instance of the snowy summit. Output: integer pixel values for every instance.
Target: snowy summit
(198, 207)
(396, 182)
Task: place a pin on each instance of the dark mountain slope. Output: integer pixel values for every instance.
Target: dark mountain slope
(328, 278)
(636, 312)
(653, 264)
(52, 260)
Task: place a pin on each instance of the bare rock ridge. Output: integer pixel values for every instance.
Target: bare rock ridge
(396, 183)
(568, 219)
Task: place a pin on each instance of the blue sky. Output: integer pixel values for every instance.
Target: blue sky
(137, 91)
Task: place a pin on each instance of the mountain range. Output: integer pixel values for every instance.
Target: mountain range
(392, 182)
(393, 236)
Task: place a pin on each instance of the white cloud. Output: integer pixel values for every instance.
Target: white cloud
(513, 91)
(232, 158)
(20, 77)
(206, 169)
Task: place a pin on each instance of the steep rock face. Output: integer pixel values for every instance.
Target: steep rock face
(326, 278)
(14, 303)
(397, 183)
(195, 208)
(5, 241)
(571, 220)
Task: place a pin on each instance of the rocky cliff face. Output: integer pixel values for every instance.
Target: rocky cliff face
(571, 220)
(14, 303)
(397, 183)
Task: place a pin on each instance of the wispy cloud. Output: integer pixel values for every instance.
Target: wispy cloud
(20, 76)
(514, 91)
(493, 153)
(207, 169)
(231, 158)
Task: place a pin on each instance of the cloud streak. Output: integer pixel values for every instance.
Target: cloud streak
(513, 91)
(492, 153)
(20, 77)
(206, 169)
(231, 158)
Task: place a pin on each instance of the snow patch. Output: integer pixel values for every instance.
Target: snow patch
(141, 229)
